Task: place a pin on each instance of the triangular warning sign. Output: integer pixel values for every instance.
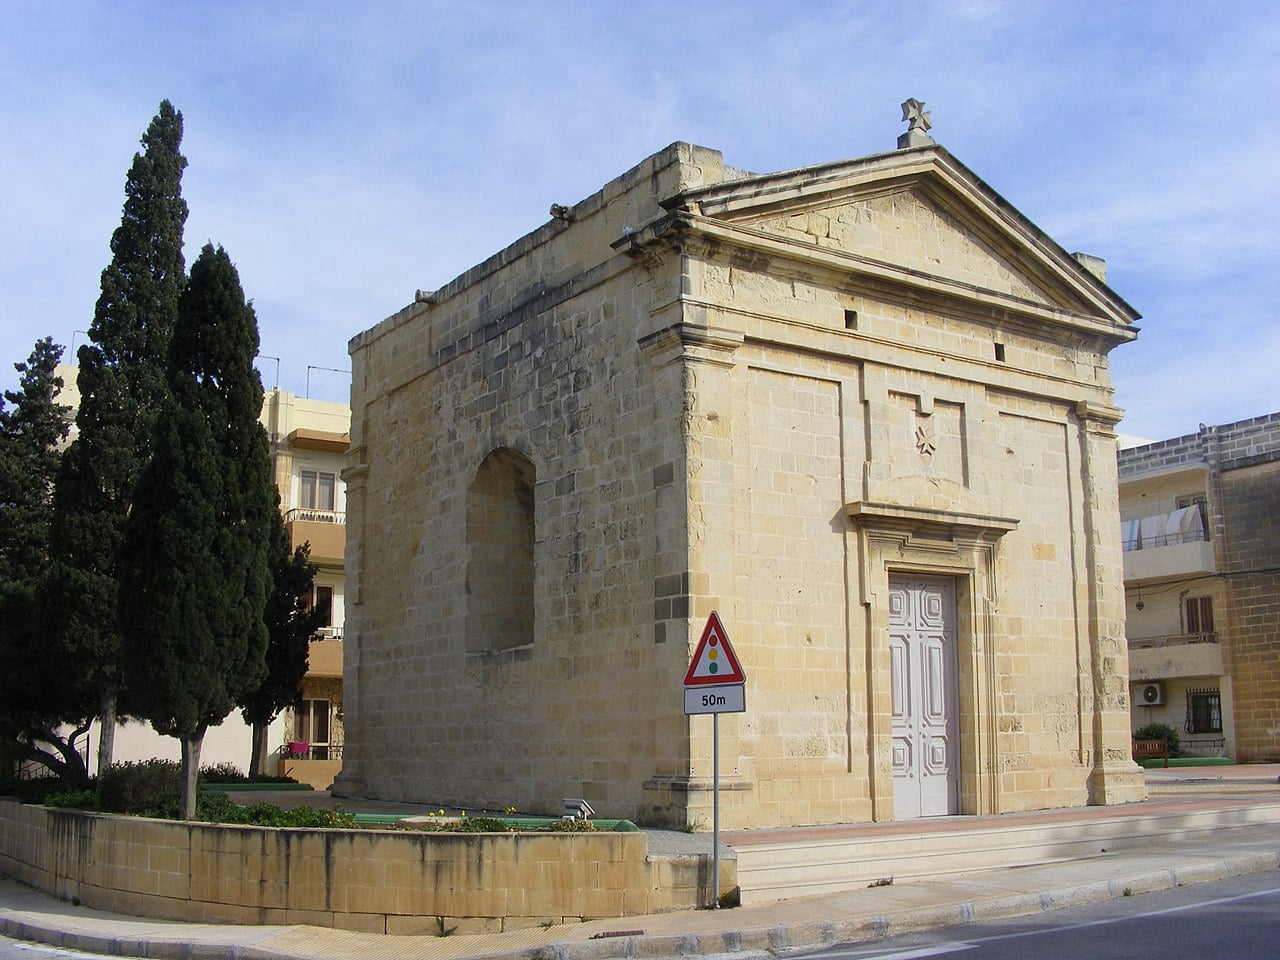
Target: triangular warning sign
(714, 660)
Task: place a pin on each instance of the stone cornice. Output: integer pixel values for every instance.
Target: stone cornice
(914, 283)
(928, 522)
(931, 169)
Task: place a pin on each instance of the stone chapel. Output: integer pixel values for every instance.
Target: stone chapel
(861, 409)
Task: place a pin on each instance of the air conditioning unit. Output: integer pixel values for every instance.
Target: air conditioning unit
(1149, 694)
(328, 633)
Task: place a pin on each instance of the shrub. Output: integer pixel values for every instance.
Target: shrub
(33, 790)
(569, 825)
(224, 772)
(217, 808)
(480, 825)
(463, 824)
(73, 799)
(149, 788)
(1160, 731)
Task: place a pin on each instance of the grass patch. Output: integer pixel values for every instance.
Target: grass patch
(1188, 762)
(254, 786)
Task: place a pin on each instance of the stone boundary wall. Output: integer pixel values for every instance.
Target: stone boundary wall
(374, 881)
(1254, 440)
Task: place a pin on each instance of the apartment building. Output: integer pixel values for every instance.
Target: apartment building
(309, 441)
(1200, 526)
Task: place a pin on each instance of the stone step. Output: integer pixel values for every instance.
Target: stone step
(800, 868)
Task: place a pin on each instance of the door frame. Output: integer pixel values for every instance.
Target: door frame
(893, 540)
(951, 685)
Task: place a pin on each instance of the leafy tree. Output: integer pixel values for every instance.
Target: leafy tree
(291, 622)
(32, 698)
(194, 571)
(122, 385)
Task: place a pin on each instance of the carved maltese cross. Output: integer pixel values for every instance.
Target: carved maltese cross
(926, 443)
(914, 111)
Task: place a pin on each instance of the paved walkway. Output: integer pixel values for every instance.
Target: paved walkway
(861, 914)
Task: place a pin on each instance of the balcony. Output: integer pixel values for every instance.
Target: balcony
(1172, 640)
(1173, 656)
(325, 530)
(324, 655)
(313, 763)
(1166, 546)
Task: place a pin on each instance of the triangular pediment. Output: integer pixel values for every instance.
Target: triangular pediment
(920, 214)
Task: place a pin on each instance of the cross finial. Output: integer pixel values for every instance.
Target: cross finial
(917, 134)
(914, 111)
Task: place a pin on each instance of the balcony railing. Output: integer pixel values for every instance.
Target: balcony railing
(297, 750)
(315, 516)
(1184, 525)
(1172, 640)
(1166, 540)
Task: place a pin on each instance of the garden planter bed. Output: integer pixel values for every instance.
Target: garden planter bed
(371, 880)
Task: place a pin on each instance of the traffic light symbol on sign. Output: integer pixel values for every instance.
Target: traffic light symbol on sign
(714, 660)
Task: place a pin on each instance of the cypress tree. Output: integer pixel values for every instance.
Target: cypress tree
(291, 622)
(194, 572)
(33, 696)
(122, 385)
(30, 435)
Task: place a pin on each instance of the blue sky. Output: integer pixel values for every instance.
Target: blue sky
(347, 154)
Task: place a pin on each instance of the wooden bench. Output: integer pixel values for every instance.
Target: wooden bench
(1214, 745)
(1151, 750)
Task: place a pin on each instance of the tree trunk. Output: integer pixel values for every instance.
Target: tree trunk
(258, 759)
(107, 727)
(76, 774)
(191, 772)
(62, 760)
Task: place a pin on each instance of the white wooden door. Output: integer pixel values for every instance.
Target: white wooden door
(922, 656)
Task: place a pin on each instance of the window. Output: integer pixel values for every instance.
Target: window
(311, 726)
(1199, 613)
(322, 599)
(1204, 711)
(318, 490)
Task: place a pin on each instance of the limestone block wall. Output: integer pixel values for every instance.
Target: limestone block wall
(827, 394)
(763, 413)
(1251, 508)
(372, 881)
(537, 353)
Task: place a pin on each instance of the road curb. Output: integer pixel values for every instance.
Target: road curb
(743, 944)
(780, 940)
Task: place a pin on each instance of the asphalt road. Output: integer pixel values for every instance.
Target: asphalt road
(20, 950)
(1236, 919)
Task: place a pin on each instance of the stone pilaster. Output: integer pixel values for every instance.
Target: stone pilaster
(350, 781)
(1113, 777)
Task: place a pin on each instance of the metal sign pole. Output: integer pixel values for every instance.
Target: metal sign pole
(715, 683)
(715, 812)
